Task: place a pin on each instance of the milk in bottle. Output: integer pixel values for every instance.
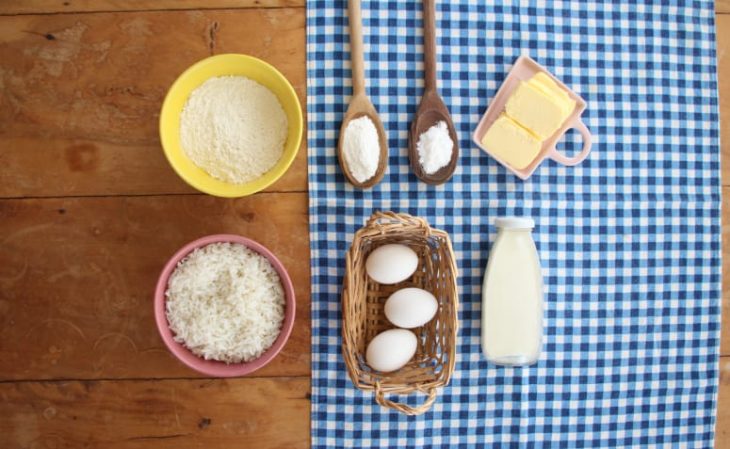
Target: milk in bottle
(512, 296)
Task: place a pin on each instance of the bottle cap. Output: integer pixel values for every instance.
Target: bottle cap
(514, 223)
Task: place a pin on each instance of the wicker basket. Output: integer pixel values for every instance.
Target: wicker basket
(363, 318)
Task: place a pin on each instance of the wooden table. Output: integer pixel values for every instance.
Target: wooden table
(90, 211)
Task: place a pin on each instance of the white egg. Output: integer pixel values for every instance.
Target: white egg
(390, 264)
(391, 350)
(410, 307)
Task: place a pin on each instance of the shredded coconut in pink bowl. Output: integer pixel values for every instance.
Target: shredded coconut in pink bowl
(212, 367)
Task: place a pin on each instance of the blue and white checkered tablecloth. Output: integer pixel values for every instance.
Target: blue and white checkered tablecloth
(629, 240)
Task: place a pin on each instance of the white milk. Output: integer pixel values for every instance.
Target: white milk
(512, 303)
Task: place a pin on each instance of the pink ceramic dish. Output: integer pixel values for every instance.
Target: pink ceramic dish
(524, 69)
(212, 367)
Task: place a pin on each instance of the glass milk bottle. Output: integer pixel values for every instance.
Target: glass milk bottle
(512, 296)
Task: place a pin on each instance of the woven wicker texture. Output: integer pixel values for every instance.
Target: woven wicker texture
(363, 317)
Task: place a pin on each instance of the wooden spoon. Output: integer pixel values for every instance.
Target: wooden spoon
(432, 108)
(360, 104)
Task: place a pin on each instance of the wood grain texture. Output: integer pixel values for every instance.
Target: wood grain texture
(725, 331)
(80, 94)
(180, 414)
(77, 278)
(69, 6)
(722, 425)
(723, 75)
(76, 274)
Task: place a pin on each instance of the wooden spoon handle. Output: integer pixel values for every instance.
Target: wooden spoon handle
(429, 43)
(356, 57)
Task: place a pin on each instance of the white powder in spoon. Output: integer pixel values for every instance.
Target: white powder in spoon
(435, 148)
(361, 148)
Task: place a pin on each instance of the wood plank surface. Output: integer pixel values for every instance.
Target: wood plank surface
(722, 425)
(69, 6)
(77, 277)
(79, 99)
(725, 334)
(723, 75)
(180, 414)
(80, 94)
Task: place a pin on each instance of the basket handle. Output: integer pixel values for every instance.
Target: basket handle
(378, 218)
(404, 408)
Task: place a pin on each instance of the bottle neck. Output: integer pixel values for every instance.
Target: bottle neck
(520, 230)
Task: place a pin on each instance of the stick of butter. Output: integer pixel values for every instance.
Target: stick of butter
(511, 143)
(539, 105)
(543, 82)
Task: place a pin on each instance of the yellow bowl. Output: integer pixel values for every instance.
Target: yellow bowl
(222, 65)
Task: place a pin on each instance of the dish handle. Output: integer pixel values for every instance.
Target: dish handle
(557, 156)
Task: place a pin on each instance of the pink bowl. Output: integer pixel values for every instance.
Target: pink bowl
(212, 367)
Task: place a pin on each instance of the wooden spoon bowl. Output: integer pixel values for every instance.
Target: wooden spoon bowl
(431, 111)
(432, 108)
(361, 106)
